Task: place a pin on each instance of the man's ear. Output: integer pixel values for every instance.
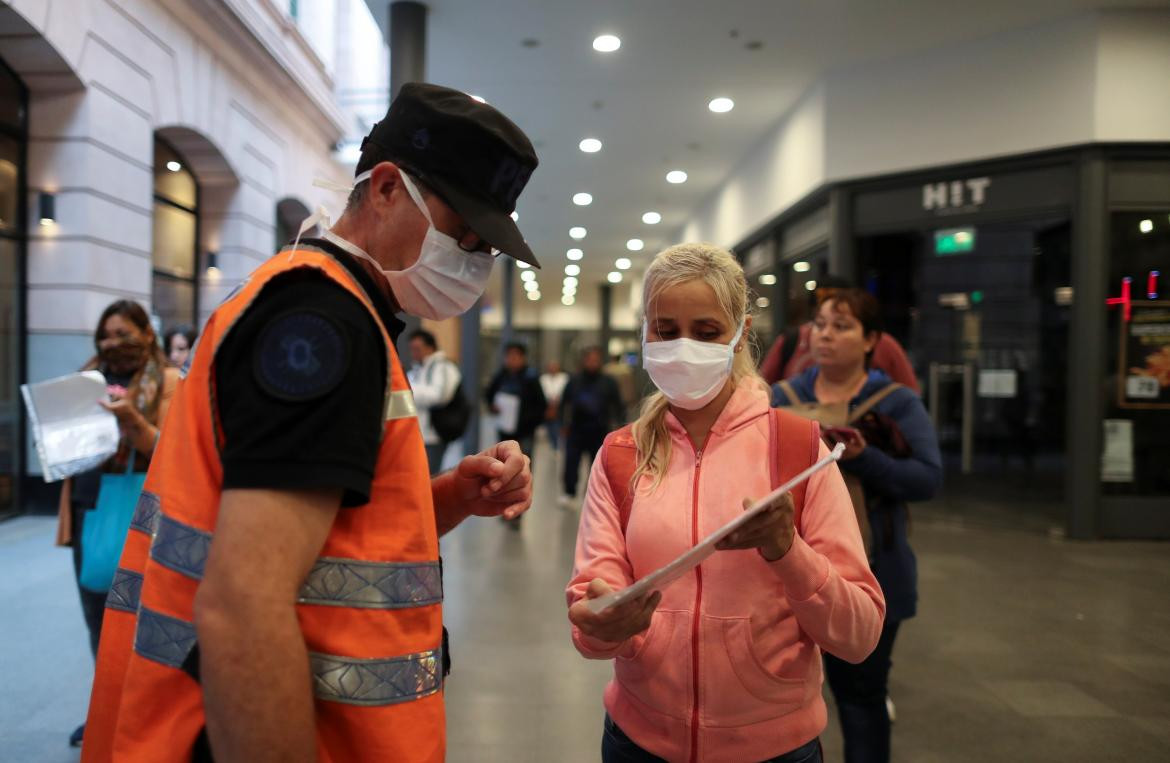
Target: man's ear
(385, 180)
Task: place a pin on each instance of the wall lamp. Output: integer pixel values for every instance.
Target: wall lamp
(213, 263)
(47, 208)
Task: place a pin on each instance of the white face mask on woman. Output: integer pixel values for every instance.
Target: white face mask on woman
(689, 372)
(444, 282)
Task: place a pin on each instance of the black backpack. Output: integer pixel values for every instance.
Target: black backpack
(450, 420)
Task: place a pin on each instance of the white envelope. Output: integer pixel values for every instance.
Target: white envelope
(72, 433)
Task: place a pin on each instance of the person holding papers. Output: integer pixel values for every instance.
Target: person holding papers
(725, 662)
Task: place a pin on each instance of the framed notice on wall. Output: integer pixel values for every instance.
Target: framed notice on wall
(1144, 370)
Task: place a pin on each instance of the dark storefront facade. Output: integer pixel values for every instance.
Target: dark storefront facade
(13, 148)
(1027, 292)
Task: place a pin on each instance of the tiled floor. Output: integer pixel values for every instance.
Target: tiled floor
(1027, 648)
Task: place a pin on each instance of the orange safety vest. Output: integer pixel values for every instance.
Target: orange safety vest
(370, 609)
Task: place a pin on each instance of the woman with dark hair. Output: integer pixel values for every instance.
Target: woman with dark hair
(891, 455)
(140, 388)
(178, 343)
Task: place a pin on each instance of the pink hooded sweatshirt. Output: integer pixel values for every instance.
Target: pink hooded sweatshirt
(730, 668)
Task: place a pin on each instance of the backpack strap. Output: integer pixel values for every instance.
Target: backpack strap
(793, 446)
(620, 457)
(871, 401)
(790, 393)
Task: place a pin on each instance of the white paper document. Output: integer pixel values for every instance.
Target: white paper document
(688, 560)
(508, 407)
(73, 434)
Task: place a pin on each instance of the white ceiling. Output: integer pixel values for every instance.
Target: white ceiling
(647, 102)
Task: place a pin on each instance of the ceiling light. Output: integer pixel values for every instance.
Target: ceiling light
(570, 281)
(762, 302)
(623, 263)
(528, 275)
(577, 233)
(531, 286)
(568, 300)
(480, 99)
(522, 265)
(635, 245)
(533, 296)
(614, 277)
(515, 217)
(572, 270)
(801, 267)
(767, 279)
(606, 43)
(174, 166)
(721, 105)
(651, 218)
(569, 290)
(676, 177)
(810, 285)
(574, 254)
(1146, 226)
(582, 199)
(590, 145)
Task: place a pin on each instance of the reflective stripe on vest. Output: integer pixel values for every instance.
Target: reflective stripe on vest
(145, 519)
(125, 590)
(349, 680)
(332, 581)
(400, 405)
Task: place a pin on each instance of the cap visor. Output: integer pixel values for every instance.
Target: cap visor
(490, 224)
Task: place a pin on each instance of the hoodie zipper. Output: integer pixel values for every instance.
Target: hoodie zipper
(698, 606)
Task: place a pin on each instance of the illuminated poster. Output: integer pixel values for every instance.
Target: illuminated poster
(1144, 378)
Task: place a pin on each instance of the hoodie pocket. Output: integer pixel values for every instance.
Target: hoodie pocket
(656, 673)
(739, 689)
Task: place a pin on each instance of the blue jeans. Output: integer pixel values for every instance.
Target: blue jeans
(616, 747)
(860, 691)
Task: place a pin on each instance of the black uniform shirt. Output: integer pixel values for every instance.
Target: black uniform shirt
(301, 384)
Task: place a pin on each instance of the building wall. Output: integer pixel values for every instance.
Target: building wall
(1091, 77)
(240, 92)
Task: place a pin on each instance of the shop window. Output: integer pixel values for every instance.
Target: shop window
(174, 253)
(13, 137)
(1136, 453)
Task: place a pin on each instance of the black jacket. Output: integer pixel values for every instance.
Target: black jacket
(592, 403)
(526, 386)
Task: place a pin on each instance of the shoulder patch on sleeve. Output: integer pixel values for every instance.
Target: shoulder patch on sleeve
(301, 355)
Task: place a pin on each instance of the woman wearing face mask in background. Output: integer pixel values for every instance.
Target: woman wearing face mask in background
(140, 388)
(725, 663)
(177, 344)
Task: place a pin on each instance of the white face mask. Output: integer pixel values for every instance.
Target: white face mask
(444, 282)
(689, 372)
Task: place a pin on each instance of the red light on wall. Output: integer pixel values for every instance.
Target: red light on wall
(1124, 300)
(1152, 284)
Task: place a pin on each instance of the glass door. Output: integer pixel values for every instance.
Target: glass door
(983, 313)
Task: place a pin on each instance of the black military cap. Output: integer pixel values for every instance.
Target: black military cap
(471, 155)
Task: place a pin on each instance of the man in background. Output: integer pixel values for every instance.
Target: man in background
(515, 397)
(435, 382)
(552, 383)
(592, 407)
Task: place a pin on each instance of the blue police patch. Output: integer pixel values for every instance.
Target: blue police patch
(300, 356)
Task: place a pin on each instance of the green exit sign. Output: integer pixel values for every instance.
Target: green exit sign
(954, 241)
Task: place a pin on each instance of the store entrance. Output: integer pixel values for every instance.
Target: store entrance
(983, 312)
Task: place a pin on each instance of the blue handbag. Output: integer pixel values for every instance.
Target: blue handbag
(104, 530)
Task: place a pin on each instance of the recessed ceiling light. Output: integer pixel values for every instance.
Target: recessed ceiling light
(614, 277)
(810, 285)
(481, 99)
(574, 254)
(531, 286)
(572, 270)
(522, 265)
(533, 295)
(1146, 226)
(635, 244)
(623, 263)
(515, 217)
(590, 145)
(651, 218)
(676, 177)
(762, 302)
(582, 199)
(767, 279)
(801, 267)
(568, 300)
(570, 281)
(577, 233)
(606, 43)
(174, 166)
(721, 105)
(528, 275)
(570, 290)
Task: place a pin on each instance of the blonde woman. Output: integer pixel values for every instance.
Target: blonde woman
(725, 663)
